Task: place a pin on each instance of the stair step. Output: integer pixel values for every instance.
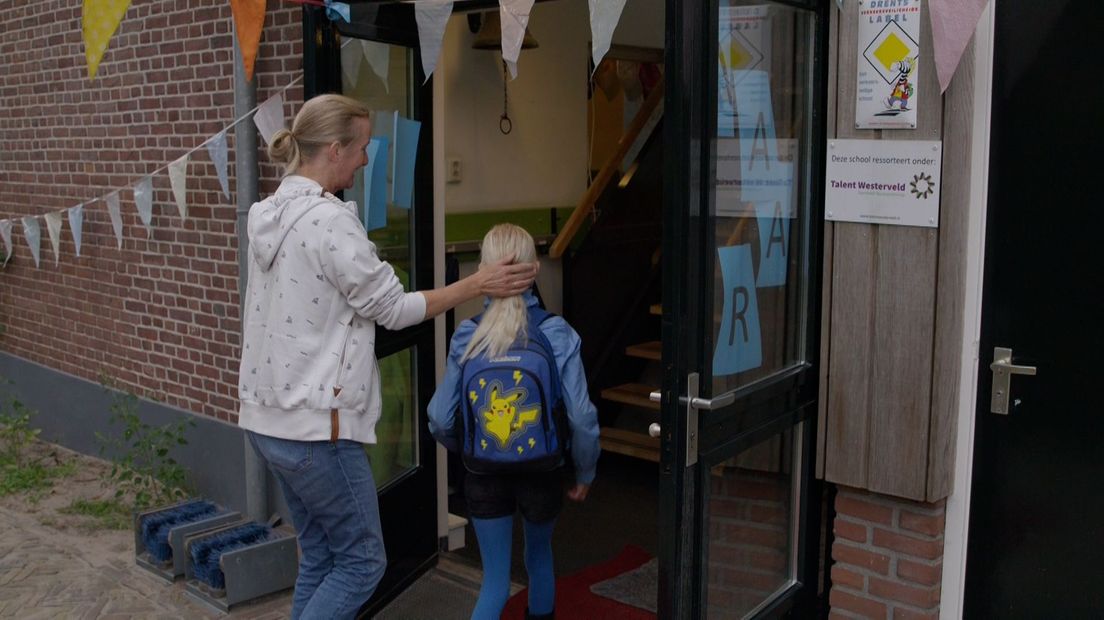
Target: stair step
(634, 394)
(656, 309)
(630, 443)
(648, 350)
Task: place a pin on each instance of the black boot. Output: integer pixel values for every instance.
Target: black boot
(548, 616)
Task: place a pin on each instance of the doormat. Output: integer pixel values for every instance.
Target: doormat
(574, 598)
(638, 587)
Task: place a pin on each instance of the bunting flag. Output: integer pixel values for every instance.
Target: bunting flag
(5, 234)
(248, 22)
(432, 17)
(99, 20)
(53, 227)
(33, 234)
(351, 58)
(514, 15)
(379, 58)
(113, 210)
(217, 150)
(178, 178)
(269, 117)
(143, 200)
(604, 15)
(76, 222)
(953, 23)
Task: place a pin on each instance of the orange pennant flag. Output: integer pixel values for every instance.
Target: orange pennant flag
(249, 22)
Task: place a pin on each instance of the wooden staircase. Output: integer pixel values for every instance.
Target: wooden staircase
(635, 443)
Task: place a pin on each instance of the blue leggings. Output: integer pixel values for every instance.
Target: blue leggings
(495, 540)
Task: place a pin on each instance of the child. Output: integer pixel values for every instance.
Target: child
(499, 417)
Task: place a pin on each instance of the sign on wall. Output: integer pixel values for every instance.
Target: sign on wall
(884, 182)
(887, 75)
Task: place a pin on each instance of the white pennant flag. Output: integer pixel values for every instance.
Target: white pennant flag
(269, 117)
(113, 210)
(76, 221)
(953, 24)
(604, 15)
(432, 17)
(351, 57)
(53, 226)
(379, 58)
(178, 178)
(5, 233)
(514, 15)
(216, 148)
(33, 233)
(143, 199)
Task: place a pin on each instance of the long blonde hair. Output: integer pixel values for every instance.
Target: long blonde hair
(321, 121)
(506, 318)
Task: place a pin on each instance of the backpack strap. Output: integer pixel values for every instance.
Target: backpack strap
(537, 316)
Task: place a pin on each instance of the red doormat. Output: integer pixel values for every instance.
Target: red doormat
(574, 598)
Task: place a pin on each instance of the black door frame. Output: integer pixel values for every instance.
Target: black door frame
(408, 506)
(690, 118)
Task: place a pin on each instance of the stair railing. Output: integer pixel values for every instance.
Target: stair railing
(586, 204)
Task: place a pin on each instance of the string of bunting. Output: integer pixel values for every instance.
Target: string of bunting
(268, 117)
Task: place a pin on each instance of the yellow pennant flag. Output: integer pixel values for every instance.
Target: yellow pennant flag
(249, 22)
(99, 20)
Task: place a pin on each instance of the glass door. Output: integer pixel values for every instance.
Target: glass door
(740, 316)
(373, 58)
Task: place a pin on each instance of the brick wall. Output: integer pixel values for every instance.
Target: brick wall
(160, 316)
(887, 557)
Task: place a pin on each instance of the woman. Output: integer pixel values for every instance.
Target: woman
(492, 498)
(309, 382)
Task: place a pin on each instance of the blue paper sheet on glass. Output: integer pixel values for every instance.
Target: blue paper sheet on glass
(763, 177)
(774, 243)
(739, 342)
(406, 154)
(375, 185)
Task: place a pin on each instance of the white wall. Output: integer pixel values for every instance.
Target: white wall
(542, 162)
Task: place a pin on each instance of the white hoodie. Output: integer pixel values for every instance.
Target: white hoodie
(316, 290)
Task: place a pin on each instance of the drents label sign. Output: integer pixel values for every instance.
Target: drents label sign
(888, 64)
(884, 182)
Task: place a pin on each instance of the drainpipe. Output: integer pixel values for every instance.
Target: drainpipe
(245, 161)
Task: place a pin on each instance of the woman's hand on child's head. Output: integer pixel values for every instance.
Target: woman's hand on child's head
(578, 492)
(504, 279)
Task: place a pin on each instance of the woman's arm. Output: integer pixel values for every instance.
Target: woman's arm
(501, 279)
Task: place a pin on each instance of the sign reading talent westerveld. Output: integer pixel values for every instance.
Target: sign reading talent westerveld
(884, 182)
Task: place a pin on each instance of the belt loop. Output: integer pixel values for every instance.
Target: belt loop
(334, 418)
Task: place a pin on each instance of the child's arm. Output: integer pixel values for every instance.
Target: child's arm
(581, 413)
(445, 403)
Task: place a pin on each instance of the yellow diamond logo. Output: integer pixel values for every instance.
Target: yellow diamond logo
(738, 56)
(891, 51)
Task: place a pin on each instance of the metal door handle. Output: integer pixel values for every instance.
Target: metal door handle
(653, 430)
(708, 404)
(1003, 369)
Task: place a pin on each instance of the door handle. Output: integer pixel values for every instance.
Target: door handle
(654, 430)
(707, 404)
(1003, 369)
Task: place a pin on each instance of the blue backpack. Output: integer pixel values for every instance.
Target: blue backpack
(512, 406)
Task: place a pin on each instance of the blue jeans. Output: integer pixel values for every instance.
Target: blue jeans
(332, 497)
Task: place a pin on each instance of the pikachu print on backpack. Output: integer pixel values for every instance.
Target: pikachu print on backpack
(512, 409)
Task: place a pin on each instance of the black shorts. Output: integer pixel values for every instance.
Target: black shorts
(538, 496)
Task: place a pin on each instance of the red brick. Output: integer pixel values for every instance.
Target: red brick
(931, 525)
(861, 558)
(924, 598)
(921, 548)
(850, 530)
(902, 613)
(863, 510)
(842, 576)
(865, 607)
(916, 572)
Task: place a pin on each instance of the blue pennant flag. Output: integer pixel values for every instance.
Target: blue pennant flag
(406, 154)
(375, 185)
